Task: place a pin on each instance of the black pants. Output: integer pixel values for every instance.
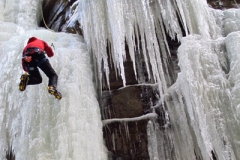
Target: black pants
(35, 76)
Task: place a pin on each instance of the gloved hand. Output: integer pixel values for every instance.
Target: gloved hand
(27, 58)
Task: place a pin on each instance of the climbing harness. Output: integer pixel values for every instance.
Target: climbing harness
(33, 50)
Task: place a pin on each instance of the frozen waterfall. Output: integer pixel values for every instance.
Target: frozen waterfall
(33, 122)
(203, 103)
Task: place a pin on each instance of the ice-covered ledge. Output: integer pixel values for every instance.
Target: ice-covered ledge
(147, 116)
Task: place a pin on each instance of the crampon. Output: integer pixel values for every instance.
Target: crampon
(24, 81)
(52, 90)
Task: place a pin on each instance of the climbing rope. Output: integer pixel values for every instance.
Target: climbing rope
(43, 19)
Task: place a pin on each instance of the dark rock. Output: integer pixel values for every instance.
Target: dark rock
(223, 4)
(127, 140)
(128, 102)
(56, 14)
(10, 155)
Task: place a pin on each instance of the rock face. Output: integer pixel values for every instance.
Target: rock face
(127, 140)
(56, 14)
(124, 140)
(224, 4)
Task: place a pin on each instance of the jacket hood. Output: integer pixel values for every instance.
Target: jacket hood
(32, 39)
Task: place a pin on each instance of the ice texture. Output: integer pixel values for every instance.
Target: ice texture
(33, 122)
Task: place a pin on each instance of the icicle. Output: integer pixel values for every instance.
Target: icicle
(125, 124)
(113, 141)
(153, 142)
(135, 19)
(130, 23)
(117, 30)
(197, 18)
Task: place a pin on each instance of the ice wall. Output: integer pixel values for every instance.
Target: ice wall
(203, 104)
(33, 122)
(202, 99)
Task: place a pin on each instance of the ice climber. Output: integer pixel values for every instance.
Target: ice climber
(33, 57)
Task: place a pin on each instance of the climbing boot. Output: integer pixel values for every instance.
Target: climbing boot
(52, 90)
(24, 81)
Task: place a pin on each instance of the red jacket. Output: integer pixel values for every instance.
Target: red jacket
(35, 42)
